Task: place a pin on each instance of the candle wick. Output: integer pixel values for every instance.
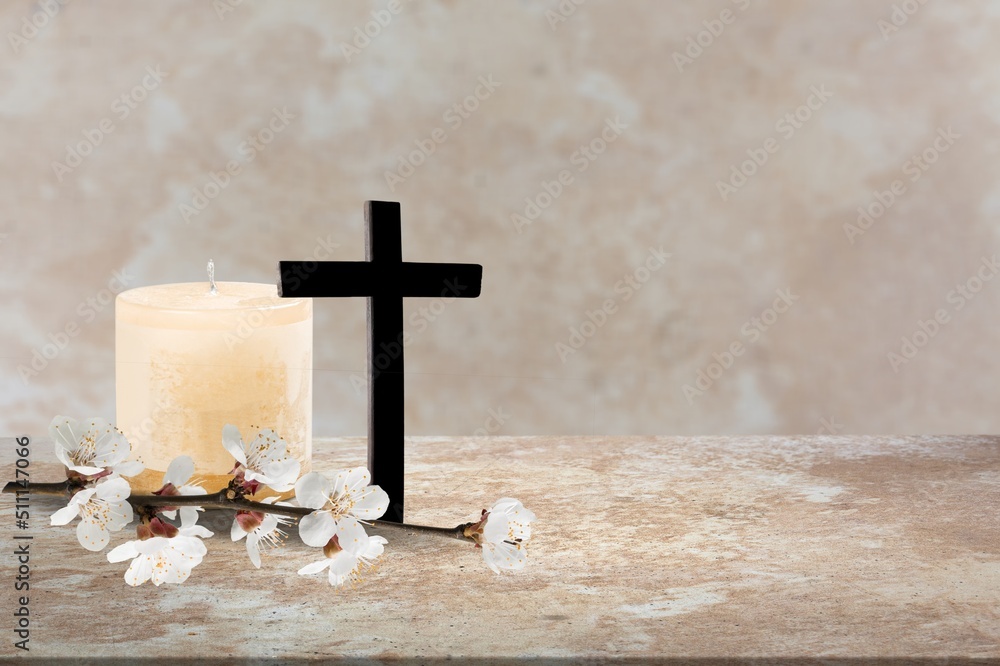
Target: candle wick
(211, 279)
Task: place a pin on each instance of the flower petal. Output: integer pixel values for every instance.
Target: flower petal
(253, 550)
(179, 471)
(490, 560)
(236, 532)
(351, 535)
(110, 446)
(191, 547)
(376, 546)
(68, 512)
(118, 515)
(115, 489)
(129, 468)
(63, 456)
(317, 528)
(126, 551)
(312, 490)
(354, 479)
(139, 571)
(176, 560)
(92, 535)
(66, 433)
(269, 445)
(350, 481)
(269, 523)
(150, 546)
(341, 566)
(86, 470)
(505, 505)
(279, 475)
(504, 556)
(166, 571)
(370, 503)
(81, 497)
(65, 514)
(508, 520)
(189, 515)
(196, 531)
(233, 441)
(497, 527)
(314, 567)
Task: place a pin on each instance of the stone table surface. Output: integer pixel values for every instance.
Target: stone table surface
(644, 547)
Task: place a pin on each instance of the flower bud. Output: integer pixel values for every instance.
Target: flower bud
(162, 529)
(474, 531)
(249, 520)
(168, 490)
(332, 547)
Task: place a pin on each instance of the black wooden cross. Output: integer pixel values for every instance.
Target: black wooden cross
(385, 279)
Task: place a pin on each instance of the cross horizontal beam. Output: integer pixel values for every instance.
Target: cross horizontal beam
(347, 279)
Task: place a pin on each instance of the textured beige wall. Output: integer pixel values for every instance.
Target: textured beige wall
(881, 94)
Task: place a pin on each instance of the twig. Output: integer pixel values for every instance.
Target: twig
(224, 499)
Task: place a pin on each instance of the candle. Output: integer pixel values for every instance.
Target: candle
(191, 358)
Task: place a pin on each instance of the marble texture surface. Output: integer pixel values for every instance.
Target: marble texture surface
(749, 547)
(69, 239)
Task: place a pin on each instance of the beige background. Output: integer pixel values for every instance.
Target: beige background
(822, 365)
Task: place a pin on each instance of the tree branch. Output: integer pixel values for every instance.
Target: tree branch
(226, 499)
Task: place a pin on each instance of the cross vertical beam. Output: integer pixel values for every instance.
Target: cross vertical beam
(387, 448)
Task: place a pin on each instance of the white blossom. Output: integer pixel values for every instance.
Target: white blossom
(262, 530)
(349, 553)
(348, 496)
(103, 508)
(175, 482)
(503, 532)
(265, 460)
(162, 559)
(92, 447)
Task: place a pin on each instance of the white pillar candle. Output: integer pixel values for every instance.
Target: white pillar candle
(191, 358)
